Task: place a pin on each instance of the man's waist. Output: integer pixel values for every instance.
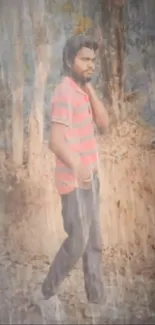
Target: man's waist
(63, 169)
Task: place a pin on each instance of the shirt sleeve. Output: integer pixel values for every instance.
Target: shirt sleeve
(62, 107)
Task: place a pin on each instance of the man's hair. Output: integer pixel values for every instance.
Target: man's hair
(73, 46)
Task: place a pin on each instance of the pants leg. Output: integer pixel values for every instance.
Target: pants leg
(77, 225)
(92, 257)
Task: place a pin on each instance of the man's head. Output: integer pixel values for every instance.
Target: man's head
(79, 56)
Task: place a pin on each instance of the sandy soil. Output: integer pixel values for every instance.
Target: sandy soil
(31, 232)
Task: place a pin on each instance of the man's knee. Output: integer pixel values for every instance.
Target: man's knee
(77, 243)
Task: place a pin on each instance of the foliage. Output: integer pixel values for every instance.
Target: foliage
(67, 6)
(83, 24)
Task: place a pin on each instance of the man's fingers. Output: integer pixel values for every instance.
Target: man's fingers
(89, 179)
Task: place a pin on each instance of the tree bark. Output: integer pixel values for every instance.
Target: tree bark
(112, 54)
(36, 125)
(17, 91)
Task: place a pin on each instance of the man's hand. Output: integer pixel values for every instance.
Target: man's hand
(99, 112)
(83, 175)
(88, 88)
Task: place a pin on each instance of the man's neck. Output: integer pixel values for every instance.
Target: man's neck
(77, 80)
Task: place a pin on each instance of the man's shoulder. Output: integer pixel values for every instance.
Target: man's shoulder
(63, 88)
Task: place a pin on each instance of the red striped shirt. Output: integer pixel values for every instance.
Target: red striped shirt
(71, 107)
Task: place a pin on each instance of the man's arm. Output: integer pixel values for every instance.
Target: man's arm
(100, 114)
(61, 115)
(60, 147)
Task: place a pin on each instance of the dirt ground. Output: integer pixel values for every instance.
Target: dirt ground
(32, 231)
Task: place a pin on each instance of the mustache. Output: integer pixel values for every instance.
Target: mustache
(89, 70)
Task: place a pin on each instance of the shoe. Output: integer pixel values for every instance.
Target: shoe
(94, 310)
(153, 144)
(51, 309)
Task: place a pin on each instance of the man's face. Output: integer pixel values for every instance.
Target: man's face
(84, 65)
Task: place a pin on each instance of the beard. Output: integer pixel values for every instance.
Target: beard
(80, 79)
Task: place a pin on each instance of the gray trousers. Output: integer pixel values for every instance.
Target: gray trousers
(80, 211)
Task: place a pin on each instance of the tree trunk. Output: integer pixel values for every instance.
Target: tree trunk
(17, 91)
(5, 104)
(112, 55)
(36, 126)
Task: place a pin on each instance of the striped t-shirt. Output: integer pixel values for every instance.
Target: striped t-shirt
(71, 106)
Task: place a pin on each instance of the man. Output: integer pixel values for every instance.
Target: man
(75, 107)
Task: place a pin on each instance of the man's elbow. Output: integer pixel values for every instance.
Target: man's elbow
(52, 144)
(102, 125)
(54, 139)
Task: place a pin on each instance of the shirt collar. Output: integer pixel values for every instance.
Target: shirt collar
(75, 86)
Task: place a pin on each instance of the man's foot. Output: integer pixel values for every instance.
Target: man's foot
(153, 144)
(94, 310)
(51, 309)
